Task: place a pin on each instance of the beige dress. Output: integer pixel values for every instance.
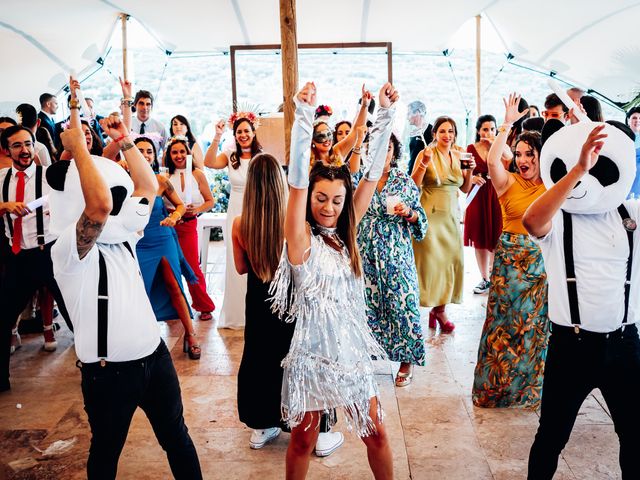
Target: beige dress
(439, 259)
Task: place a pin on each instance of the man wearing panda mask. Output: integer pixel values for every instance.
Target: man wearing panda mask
(589, 241)
(97, 212)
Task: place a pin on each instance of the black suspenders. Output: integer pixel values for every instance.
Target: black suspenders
(572, 287)
(5, 197)
(103, 304)
(39, 210)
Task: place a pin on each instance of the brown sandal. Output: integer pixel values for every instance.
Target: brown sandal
(193, 351)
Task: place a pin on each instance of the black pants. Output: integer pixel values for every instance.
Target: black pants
(111, 396)
(25, 274)
(576, 364)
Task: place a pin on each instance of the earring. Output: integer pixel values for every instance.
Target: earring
(313, 145)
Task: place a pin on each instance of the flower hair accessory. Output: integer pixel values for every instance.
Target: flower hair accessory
(323, 110)
(250, 116)
(178, 138)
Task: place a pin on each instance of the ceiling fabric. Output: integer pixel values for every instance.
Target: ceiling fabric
(587, 43)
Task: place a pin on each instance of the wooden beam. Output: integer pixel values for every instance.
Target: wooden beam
(289, 40)
(125, 64)
(234, 87)
(389, 62)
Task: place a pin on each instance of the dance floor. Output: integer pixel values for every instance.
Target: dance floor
(435, 431)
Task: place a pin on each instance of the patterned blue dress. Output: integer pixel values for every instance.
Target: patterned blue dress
(391, 280)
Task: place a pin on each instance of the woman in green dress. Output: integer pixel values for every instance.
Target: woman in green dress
(439, 258)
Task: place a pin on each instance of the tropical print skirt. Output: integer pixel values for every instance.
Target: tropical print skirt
(513, 346)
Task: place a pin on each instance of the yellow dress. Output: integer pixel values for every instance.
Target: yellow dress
(439, 259)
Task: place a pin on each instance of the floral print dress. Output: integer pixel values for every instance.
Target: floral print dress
(391, 280)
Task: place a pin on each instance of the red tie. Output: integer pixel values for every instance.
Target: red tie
(17, 225)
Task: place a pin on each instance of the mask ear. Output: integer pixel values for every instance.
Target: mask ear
(118, 195)
(623, 128)
(57, 174)
(550, 127)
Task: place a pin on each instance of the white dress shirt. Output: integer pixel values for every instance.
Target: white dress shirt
(29, 225)
(43, 154)
(132, 331)
(150, 125)
(600, 252)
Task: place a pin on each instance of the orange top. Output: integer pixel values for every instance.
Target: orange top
(515, 201)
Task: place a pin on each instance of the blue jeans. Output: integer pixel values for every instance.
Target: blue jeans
(111, 396)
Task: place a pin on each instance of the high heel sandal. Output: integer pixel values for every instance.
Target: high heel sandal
(194, 351)
(204, 316)
(16, 341)
(50, 343)
(404, 378)
(446, 326)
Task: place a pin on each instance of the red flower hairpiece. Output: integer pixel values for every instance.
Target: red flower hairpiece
(250, 116)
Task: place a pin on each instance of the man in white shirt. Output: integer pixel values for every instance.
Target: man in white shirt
(143, 124)
(590, 251)
(29, 267)
(124, 362)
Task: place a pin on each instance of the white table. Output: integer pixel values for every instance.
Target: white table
(206, 222)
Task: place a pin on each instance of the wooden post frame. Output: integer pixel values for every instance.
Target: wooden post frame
(289, 42)
(235, 48)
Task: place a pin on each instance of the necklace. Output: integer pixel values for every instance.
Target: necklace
(330, 234)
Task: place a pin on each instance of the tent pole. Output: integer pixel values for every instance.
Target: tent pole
(478, 63)
(125, 67)
(289, 40)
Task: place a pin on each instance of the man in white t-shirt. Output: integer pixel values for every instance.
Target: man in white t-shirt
(124, 362)
(590, 244)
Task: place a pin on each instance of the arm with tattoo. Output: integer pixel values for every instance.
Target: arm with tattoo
(87, 233)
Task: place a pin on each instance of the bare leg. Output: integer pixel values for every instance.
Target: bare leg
(46, 310)
(378, 449)
(303, 441)
(482, 257)
(178, 302)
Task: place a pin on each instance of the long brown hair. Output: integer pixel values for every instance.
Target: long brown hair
(346, 227)
(263, 211)
(256, 148)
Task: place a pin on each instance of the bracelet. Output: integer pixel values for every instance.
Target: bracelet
(356, 150)
(408, 217)
(119, 139)
(74, 103)
(126, 102)
(175, 212)
(504, 127)
(127, 145)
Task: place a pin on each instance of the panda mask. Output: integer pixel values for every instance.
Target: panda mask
(607, 184)
(66, 202)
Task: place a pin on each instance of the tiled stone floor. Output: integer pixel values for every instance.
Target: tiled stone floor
(435, 431)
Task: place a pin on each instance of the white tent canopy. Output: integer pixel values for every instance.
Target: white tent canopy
(589, 44)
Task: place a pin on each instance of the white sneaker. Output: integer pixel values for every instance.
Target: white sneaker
(328, 442)
(259, 438)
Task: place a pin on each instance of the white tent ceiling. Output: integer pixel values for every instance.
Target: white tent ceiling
(589, 43)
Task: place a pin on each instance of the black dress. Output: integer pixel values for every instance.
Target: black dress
(266, 343)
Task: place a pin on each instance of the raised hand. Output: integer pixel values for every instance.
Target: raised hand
(307, 94)
(219, 129)
(427, 154)
(511, 113)
(361, 133)
(591, 149)
(74, 114)
(73, 140)
(126, 88)
(114, 127)
(388, 95)
(366, 97)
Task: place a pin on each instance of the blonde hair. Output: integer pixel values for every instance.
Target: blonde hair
(263, 212)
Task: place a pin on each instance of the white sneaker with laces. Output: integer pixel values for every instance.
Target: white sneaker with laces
(259, 438)
(482, 287)
(328, 442)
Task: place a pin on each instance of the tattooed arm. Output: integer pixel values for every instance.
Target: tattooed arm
(97, 197)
